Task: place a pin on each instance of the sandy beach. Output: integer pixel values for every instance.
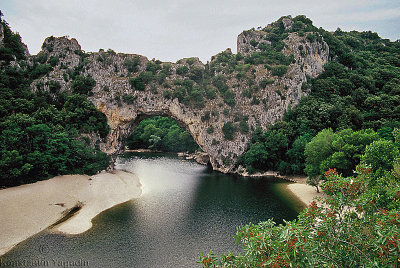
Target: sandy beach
(28, 209)
(304, 192)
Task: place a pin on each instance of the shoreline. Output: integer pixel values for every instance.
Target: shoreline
(303, 192)
(70, 201)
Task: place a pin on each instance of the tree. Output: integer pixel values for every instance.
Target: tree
(380, 155)
(82, 84)
(229, 130)
(316, 151)
(256, 157)
(345, 231)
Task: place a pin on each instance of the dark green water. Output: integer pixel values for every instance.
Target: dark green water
(185, 209)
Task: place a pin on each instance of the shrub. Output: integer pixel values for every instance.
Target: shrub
(129, 99)
(83, 84)
(244, 127)
(266, 82)
(140, 82)
(229, 97)
(53, 60)
(153, 67)
(206, 116)
(132, 64)
(210, 92)
(182, 70)
(196, 74)
(167, 94)
(54, 86)
(279, 70)
(229, 130)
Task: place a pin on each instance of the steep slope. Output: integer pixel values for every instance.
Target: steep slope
(220, 102)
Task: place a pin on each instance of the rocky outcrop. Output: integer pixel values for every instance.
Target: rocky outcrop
(1, 35)
(126, 105)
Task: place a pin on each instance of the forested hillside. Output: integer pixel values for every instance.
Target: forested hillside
(345, 133)
(43, 133)
(359, 89)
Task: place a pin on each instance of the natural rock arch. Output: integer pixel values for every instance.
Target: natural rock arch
(123, 102)
(126, 120)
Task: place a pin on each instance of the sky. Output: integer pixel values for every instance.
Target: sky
(169, 30)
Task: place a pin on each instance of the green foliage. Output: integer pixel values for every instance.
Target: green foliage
(326, 235)
(279, 70)
(266, 82)
(41, 130)
(244, 127)
(153, 66)
(265, 150)
(317, 150)
(229, 130)
(210, 92)
(82, 84)
(196, 74)
(129, 99)
(341, 150)
(40, 70)
(182, 70)
(53, 61)
(13, 46)
(163, 134)
(132, 64)
(380, 155)
(357, 90)
(140, 82)
(269, 56)
(205, 116)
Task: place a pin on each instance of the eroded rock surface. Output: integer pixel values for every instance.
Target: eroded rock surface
(124, 105)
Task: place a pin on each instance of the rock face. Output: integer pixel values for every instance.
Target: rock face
(1, 35)
(125, 106)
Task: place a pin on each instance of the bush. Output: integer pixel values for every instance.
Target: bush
(167, 94)
(229, 130)
(206, 116)
(129, 99)
(83, 84)
(132, 64)
(279, 70)
(210, 92)
(326, 235)
(266, 82)
(153, 67)
(244, 127)
(182, 70)
(41, 70)
(229, 97)
(140, 82)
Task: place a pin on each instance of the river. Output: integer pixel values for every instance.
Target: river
(185, 209)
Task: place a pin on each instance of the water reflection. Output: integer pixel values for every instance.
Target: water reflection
(185, 209)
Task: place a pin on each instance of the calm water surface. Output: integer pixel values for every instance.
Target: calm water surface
(185, 209)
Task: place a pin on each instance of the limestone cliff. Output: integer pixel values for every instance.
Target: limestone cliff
(229, 90)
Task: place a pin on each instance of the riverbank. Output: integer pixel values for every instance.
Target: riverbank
(304, 193)
(29, 209)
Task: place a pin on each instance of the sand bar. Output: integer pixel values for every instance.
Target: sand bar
(28, 209)
(304, 192)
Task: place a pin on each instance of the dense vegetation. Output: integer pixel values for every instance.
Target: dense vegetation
(42, 131)
(345, 133)
(161, 134)
(356, 225)
(358, 90)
